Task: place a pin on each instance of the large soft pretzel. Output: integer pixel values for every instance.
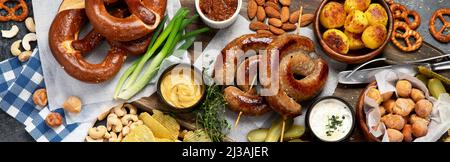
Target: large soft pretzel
(406, 35)
(439, 35)
(145, 17)
(295, 59)
(12, 11)
(401, 13)
(62, 35)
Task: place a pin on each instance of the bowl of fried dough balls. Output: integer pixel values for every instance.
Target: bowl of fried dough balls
(405, 113)
(353, 31)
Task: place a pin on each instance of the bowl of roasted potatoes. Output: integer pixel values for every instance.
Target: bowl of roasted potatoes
(353, 31)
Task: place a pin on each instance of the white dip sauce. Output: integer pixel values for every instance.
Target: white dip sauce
(330, 120)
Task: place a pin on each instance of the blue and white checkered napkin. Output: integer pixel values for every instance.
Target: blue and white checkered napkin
(17, 85)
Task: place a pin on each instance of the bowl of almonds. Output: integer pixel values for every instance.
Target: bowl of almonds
(275, 16)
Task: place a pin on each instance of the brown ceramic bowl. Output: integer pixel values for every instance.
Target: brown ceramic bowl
(361, 116)
(353, 56)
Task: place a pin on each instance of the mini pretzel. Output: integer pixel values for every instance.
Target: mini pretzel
(12, 10)
(401, 13)
(405, 36)
(439, 35)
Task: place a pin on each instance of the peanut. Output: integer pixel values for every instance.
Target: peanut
(289, 27)
(285, 2)
(275, 30)
(272, 12)
(252, 8)
(260, 14)
(284, 15)
(275, 22)
(263, 32)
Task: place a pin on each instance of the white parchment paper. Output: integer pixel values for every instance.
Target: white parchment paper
(440, 116)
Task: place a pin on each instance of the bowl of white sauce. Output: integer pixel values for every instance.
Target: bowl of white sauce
(330, 119)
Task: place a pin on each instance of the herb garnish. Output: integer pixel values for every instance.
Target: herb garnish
(211, 116)
(333, 123)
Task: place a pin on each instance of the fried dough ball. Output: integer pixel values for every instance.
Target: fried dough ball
(356, 22)
(415, 118)
(394, 135)
(355, 41)
(419, 129)
(423, 108)
(393, 121)
(417, 94)
(386, 96)
(389, 105)
(407, 133)
(332, 15)
(336, 40)
(403, 106)
(404, 88)
(376, 14)
(361, 5)
(374, 94)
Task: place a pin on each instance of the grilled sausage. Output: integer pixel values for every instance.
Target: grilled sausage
(246, 103)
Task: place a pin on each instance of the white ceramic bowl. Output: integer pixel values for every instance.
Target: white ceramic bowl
(218, 24)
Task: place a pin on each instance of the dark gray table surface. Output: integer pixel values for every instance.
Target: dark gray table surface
(13, 131)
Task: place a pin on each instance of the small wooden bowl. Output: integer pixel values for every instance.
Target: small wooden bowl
(353, 56)
(361, 116)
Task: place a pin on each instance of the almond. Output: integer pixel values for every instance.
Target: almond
(285, 2)
(293, 18)
(284, 14)
(275, 30)
(263, 32)
(272, 12)
(261, 14)
(272, 4)
(252, 8)
(275, 22)
(288, 27)
(307, 19)
(260, 2)
(256, 25)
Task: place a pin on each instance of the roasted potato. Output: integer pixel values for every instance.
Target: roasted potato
(355, 42)
(336, 40)
(351, 5)
(332, 15)
(376, 14)
(356, 22)
(374, 36)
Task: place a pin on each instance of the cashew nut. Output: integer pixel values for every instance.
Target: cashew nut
(129, 118)
(11, 32)
(131, 109)
(97, 132)
(24, 56)
(29, 23)
(119, 110)
(89, 139)
(115, 138)
(15, 51)
(27, 39)
(103, 115)
(114, 124)
(112, 116)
